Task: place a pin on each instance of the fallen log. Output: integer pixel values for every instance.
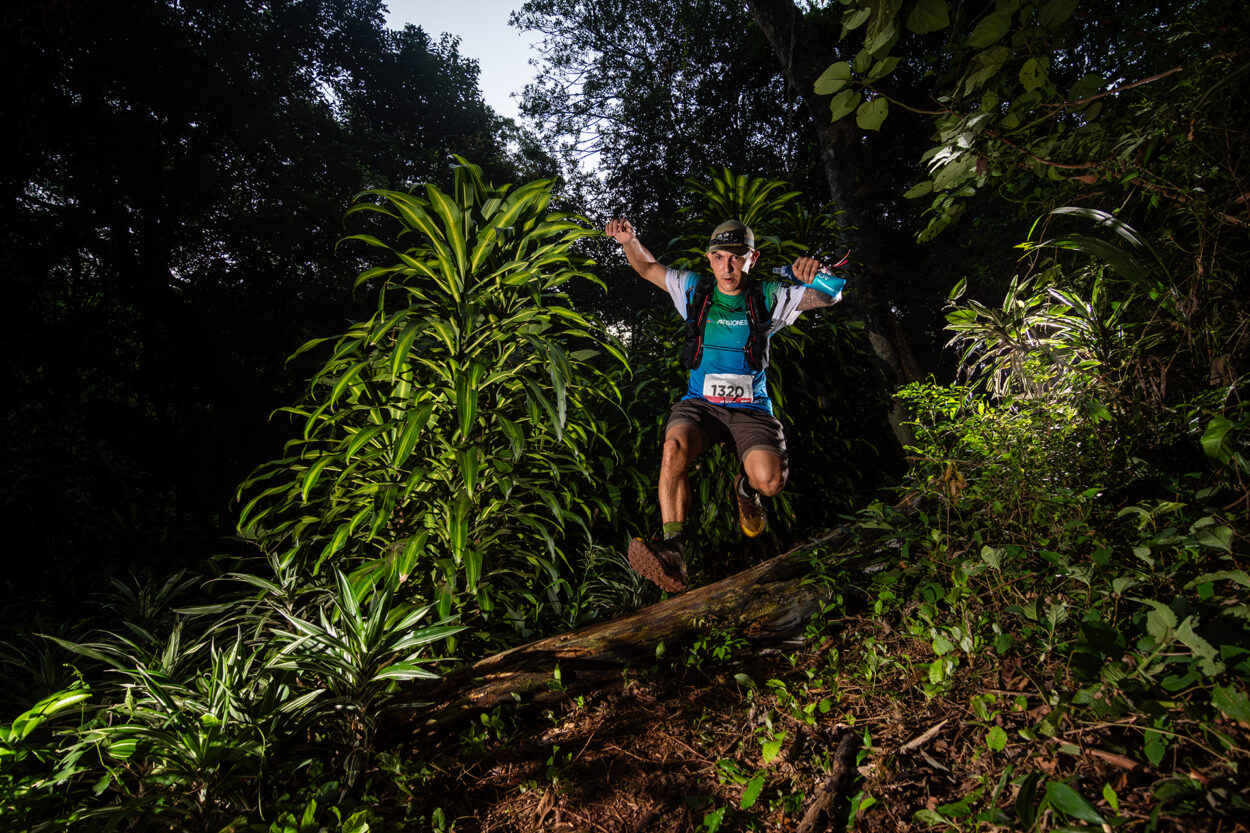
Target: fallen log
(771, 599)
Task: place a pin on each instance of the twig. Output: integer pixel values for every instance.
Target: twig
(584, 820)
(1115, 90)
(924, 738)
(651, 761)
(821, 813)
(1112, 758)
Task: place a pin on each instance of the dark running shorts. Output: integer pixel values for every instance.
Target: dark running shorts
(746, 429)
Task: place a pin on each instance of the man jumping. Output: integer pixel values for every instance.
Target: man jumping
(730, 318)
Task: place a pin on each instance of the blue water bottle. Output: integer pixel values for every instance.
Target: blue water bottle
(824, 282)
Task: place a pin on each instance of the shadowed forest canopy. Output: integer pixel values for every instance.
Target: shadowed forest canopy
(173, 191)
(330, 411)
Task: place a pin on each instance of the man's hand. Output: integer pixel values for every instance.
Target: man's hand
(621, 230)
(644, 263)
(805, 269)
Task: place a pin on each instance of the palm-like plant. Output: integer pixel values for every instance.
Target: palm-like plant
(755, 201)
(455, 428)
(188, 728)
(1073, 335)
(348, 659)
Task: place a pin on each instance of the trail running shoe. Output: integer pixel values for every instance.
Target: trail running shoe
(751, 516)
(660, 561)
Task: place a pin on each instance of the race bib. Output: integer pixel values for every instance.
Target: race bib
(726, 388)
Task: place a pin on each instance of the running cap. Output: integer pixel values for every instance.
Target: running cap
(732, 236)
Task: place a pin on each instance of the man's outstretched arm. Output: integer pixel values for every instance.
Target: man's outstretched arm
(644, 263)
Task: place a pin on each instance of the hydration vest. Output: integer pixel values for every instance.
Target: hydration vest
(759, 323)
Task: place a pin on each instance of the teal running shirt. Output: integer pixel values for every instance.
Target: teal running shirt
(723, 376)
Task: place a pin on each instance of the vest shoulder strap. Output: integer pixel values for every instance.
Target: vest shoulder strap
(699, 301)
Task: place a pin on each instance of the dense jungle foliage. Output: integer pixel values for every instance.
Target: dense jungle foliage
(322, 382)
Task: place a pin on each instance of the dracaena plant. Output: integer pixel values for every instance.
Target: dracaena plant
(450, 441)
(189, 727)
(1098, 330)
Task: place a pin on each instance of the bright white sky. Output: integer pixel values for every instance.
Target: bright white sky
(502, 52)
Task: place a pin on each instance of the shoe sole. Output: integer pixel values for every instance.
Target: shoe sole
(648, 565)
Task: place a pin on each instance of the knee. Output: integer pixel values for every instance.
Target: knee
(770, 483)
(676, 453)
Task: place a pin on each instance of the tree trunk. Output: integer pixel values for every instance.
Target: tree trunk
(803, 57)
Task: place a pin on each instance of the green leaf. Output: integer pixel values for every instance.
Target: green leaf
(871, 114)
(1204, 650)
(1238, 576)
(1232, 702)
(878, 40)
(1087, 86)
(843, 104)
(468, 383)
(854, 18)
(984, 66)
(59, 701)
(881, 69)
(359, 440)
(834, 78)
(1032, 74)
(1156, 746)
(404, 671)
(921, 189)
(1217, 439)
(403, 344)
(414, 425)
(770, 749)
(928, 16)
(314, 472)
(1161, 621)
(990, 30)
(122, 749)
(955, 172)
(1215, 537)
(1072, 803)
(996, 738)
(1026, 803)
(993, 556)
(1054, 13)
(346, 379)
(751, 793)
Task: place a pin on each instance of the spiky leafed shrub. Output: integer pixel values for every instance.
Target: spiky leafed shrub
(450, 442)
(206, 718)
(1100, 369)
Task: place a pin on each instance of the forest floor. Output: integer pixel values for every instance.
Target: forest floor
(740, 736)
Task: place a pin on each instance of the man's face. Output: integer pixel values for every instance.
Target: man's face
(729, 269)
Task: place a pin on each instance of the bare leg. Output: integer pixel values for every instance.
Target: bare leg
(766, 472)
(682, 444)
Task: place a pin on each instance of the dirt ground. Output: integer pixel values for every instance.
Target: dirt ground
(682, 747)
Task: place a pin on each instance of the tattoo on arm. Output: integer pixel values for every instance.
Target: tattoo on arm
(814, 299)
